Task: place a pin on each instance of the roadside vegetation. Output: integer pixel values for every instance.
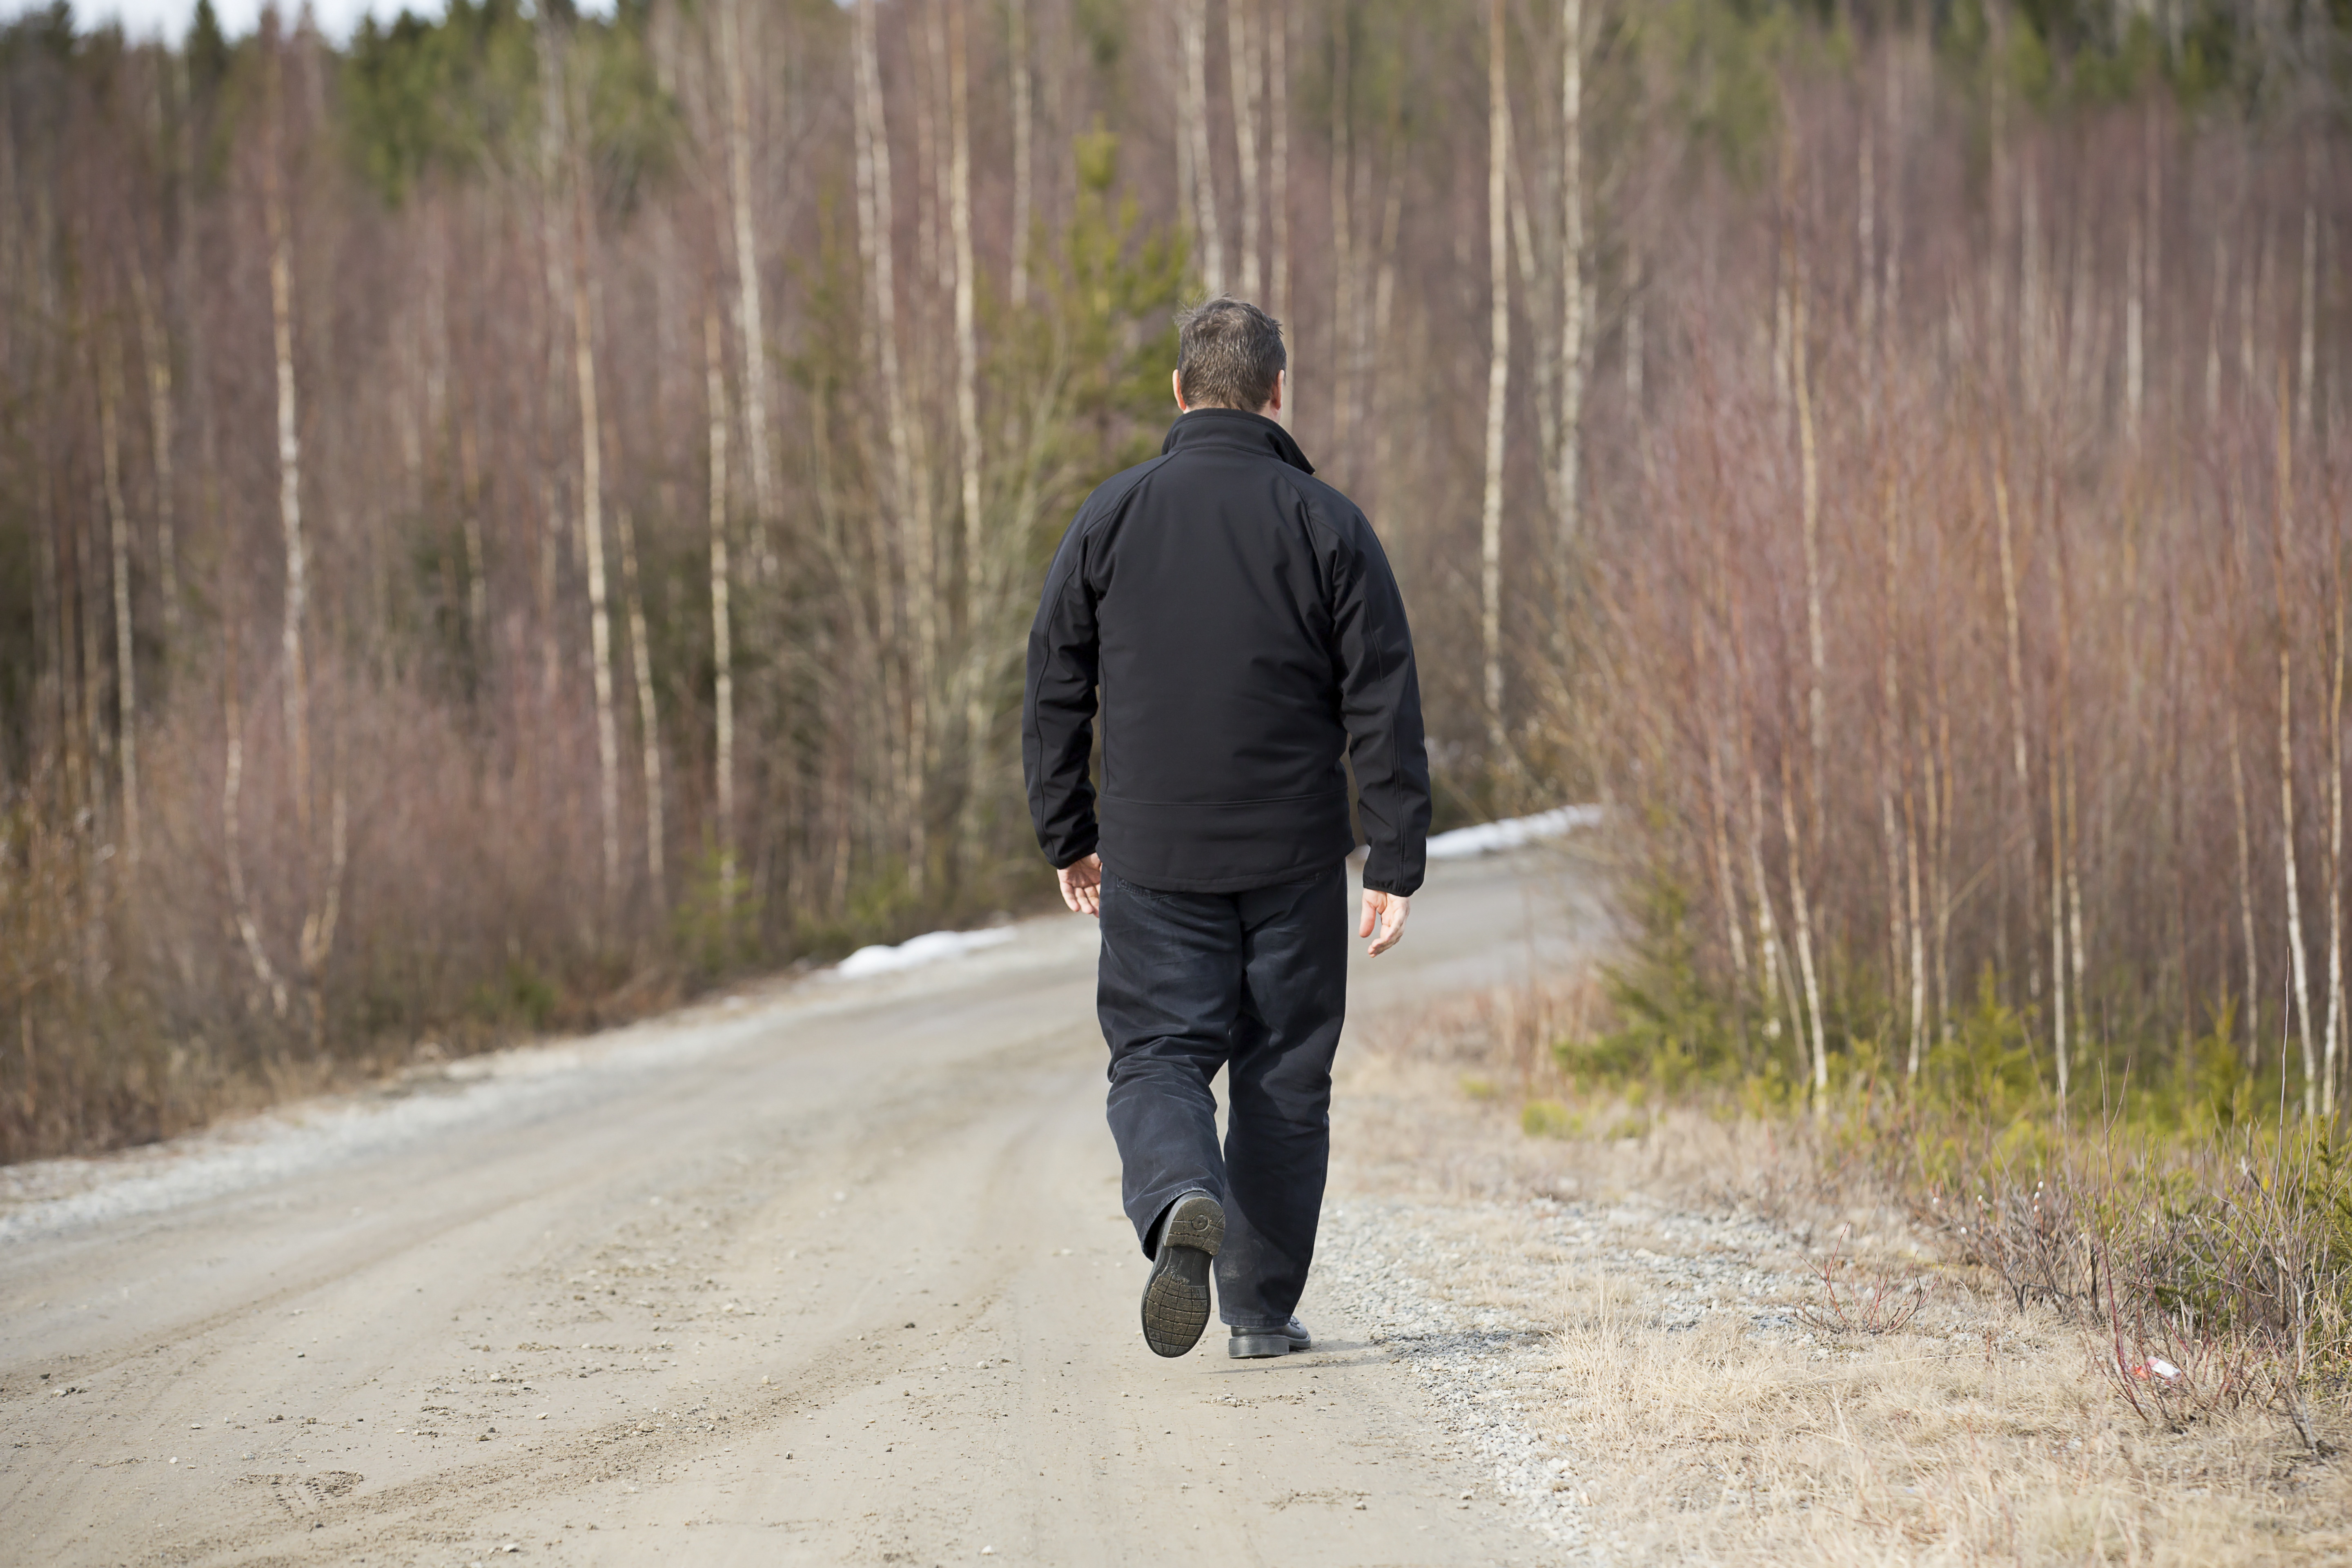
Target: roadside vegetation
(516, 517)
(1958, 1332)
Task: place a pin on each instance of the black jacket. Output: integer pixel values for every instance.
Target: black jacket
(1245, 630)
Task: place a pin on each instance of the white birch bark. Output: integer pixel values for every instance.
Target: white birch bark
(2299, 959)
(1816, 636)
(1569, 442)
(2020, 769)
(1768, 941)
(1278, 195)
(748, 320)
(592, 529)
(156, 349)
(2307, 336)
(1343, 237)
(967, 348)
(126, 666)
(979, 629)
(1801, 903)
(648, 709)
(909, 500)
(1499, 378)
(2334, 1034)
(248, 930)
(2245, 883)
(1024, 118)
(297, 681)
(1890, 752)
(1242, 65)
(1193, 22)
(722, 659)
(2061, 1052)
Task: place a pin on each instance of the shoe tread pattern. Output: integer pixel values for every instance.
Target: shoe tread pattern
(1176, 1298)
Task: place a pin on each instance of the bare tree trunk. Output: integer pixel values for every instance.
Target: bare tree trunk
(2245, 883)
(978, 631)
(1192, 18)
(2135, 309)
(2021, 771)
(1901, 847)
(1726, 885)
(2335, 1033)
(1816, 640)
(156, 350)
(1570, 443)
(1383, 314)
(1343, 234)
(1278, 84)
(2306, 352)
(649, 711)
(1498, 377)
(232, 827)
(910, 499)
(297, 682)
(1242, 65)
(1802, 905)
(1017, 18)
(2218, 310)
(1890, 305)
(318, 939)
(592, 529)
(2298, 960)
(1866, 240)
(1939, 848)
(1767, 940)
(746, 290)
(126, 663)
(722, 657)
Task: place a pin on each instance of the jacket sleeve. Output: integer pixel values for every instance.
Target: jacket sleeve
(1057, 706)
(1379, 702)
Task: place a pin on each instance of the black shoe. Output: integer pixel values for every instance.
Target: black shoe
(1247, 1343)
(1176, 1295)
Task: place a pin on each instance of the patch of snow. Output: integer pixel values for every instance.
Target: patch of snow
(929, 948)
(1511, 833)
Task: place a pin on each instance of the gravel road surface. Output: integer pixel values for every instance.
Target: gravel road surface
(829, 1272)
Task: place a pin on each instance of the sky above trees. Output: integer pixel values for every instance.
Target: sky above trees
(169, 18)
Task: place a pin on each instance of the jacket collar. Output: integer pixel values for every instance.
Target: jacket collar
(1235, 429)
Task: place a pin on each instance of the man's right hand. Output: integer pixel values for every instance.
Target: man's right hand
(1082, 886)
(1383, 918)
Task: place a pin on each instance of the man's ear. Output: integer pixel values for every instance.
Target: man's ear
(1176, 382)
(1281, 382)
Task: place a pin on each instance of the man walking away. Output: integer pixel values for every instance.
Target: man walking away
(1245, 633)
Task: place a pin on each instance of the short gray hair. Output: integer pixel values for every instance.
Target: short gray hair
(1228, 354)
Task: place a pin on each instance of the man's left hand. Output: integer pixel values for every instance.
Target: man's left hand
(1384, 913)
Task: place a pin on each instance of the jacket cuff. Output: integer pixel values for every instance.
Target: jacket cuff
(1064, 861)
(1386, 880)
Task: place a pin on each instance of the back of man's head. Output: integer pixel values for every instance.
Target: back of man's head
(1229, 354)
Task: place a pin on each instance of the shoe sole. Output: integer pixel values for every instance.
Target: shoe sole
(1176, 1296)
(1249, 1347)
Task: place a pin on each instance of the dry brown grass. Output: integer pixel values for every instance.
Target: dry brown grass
(1974, 1432)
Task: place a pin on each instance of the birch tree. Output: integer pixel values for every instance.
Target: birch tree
(126, 666)
(749, 326)
(1498, 373)
(1242, 63)
(722, 661)
(1570, 441)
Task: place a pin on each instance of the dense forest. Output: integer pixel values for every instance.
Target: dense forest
(527, 512)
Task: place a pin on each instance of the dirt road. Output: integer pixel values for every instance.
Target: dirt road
(830, 1273)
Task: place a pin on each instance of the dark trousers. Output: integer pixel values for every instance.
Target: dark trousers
(1255, 982)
